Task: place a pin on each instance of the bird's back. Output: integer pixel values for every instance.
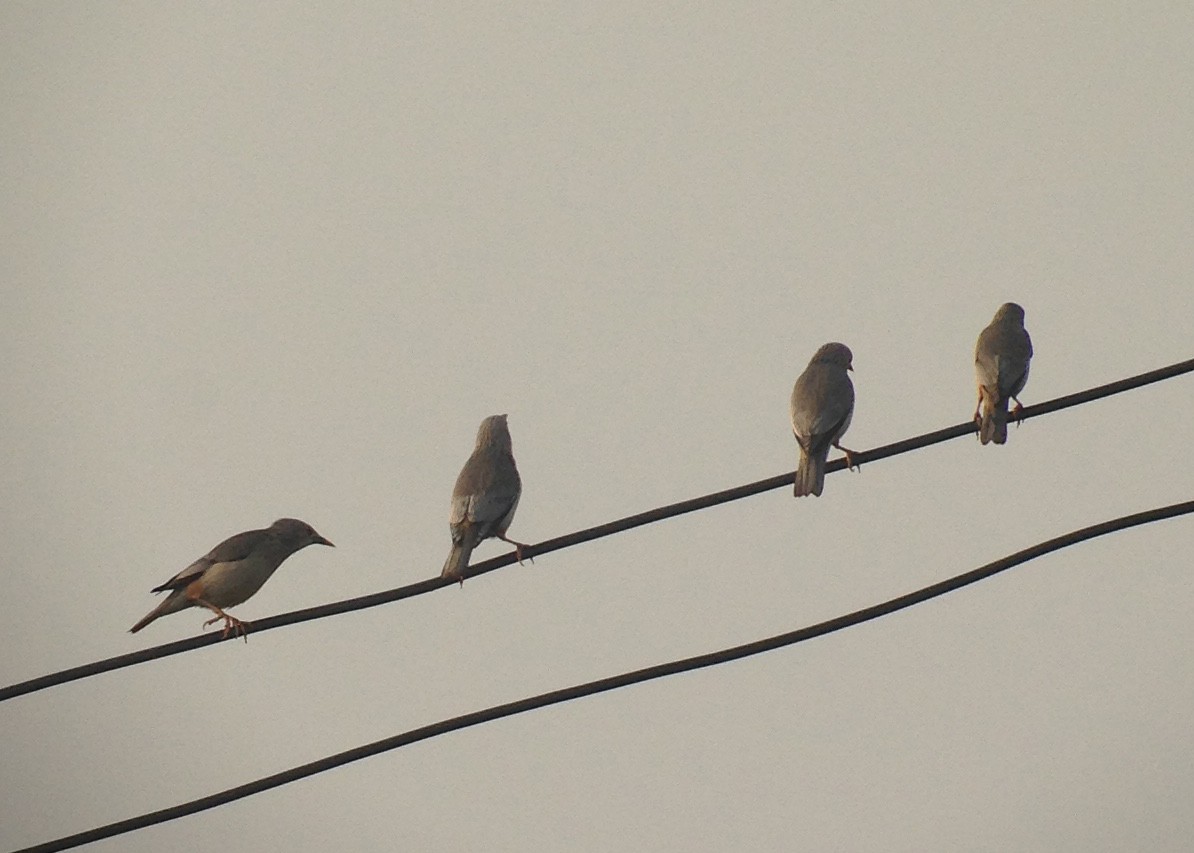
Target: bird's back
(1002, 357)
(487, 488)
(822, 403)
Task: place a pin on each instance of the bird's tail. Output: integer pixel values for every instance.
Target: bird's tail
(458, 558)
(164, 608)
(810, 474)
(994, 425)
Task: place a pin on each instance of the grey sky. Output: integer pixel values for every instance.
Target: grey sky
(280, 260)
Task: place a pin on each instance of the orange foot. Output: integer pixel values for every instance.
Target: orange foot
(232, 626)
(850, 463)
(518, 547)
(1017, 412)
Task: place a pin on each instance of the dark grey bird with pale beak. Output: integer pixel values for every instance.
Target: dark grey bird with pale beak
(232, 572)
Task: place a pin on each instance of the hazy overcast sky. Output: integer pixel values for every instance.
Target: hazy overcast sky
(265, 260)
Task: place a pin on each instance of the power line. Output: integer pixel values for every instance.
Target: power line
(576, 538)
(611, 683)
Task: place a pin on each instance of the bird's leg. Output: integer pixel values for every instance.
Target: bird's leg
(1018, 411)
(232, 625)
(850, 464)
(518, 546)
(978, 411)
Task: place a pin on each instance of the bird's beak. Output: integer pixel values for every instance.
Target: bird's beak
(850, 367)
(319, 540)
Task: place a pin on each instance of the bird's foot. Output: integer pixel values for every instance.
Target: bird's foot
(850, 463)
(1017, 412)
(232, 626)
(518, 548)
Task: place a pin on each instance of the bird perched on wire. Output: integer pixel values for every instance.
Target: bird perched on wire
(821, 408)
(232, 571)
(1001, 359)
(485, 496)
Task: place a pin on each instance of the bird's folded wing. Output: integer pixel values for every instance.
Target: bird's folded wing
(231, 550)
(491, 506)
(826, 403)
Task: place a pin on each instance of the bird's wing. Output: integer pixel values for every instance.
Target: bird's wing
(986, 357)
(230, 550)
(487, 486)
(459, 513)
(821, 403)
(493, 506)
(1013, 364)
(187, 575)
(1001, 359)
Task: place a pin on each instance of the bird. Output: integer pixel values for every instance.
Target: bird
(1001, 359)
(485, 496)
(821, 408)
(232, 571)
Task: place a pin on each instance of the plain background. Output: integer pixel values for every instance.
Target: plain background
(281, 259)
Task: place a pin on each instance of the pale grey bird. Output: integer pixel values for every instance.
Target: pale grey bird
(485, 496)
(821, 408)
(1001, 359)
(232, 571)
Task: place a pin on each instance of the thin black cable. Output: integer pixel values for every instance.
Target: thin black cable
(631, 521)
(612, 683)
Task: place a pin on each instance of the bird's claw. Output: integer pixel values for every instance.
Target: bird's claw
(1017, 412)
(518, 549)
(232, 626)
(851, 465)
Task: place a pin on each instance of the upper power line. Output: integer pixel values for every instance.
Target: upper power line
(580, 536)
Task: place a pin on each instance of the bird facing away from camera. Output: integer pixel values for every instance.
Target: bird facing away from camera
(1001, 359)
(485, 496)
(821, 408)
(232, 571)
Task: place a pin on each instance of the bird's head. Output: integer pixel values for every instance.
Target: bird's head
(1010, 312)
(834, 353)
(297, 533)
(494, 431)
